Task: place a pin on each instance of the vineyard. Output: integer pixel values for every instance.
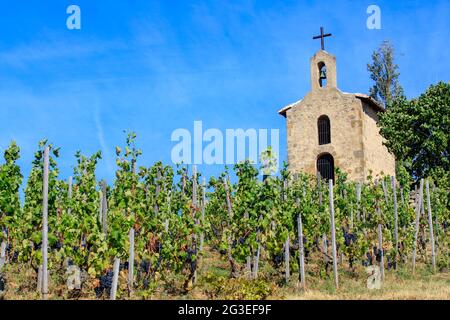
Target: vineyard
(159, 229)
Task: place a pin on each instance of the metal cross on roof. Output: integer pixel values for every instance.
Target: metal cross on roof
(322, 37)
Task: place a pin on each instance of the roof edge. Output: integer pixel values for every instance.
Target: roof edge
(285, 109)
(371, 101)
(375, 104)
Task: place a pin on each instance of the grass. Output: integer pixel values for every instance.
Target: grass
(395, 287)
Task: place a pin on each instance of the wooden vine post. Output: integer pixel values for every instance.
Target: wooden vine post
(228, 198)
(115, 281)
(301, 248)
(100, 207)
(158, 190)
(436, 227)
(194, 216)
(230, 217)
(202, 220)
(286, 260)
(319, 187)
(69, 193)
(248, 264)
(422, 214)
(203, 208)
(419, 203)
(386, 198)
(287, 272)
(104, 209)
(430, 224)
(3, 248)
(358, 201)
(2, 255)
(380, 233)
(257, 256)
(333, 235)
(324, 236)
(169, 200)
(194, 191)
(131, 262)
(394, 192)
(44, 287)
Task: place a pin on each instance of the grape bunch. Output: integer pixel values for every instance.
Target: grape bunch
(377, 253)
(146, 283)
(369, 260)
(15, 256)
(391, 263)
(145, 266)
(105, 285)
(124, 266)
(2, 283)
(57, 245)
(349, 239)
(189, 259)
(241, 242)
(277, 259)
(143, 271)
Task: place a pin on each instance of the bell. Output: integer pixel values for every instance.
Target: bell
(323, 74)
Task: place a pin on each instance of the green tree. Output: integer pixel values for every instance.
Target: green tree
(384, 72)
(10, 181)
(418, 131)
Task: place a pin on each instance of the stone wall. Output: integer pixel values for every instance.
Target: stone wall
(346, 145)
(376, 156)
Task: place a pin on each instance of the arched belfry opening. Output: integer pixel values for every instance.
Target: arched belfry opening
(322, 74)
(324, 130)
(323, 71)
(325, 166)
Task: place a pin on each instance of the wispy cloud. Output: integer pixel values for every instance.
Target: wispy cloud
(55, 48)
(106, 154)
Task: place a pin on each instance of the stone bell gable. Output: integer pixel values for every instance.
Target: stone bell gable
(329, 128)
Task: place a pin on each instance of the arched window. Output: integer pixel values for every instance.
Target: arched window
(322, 74)
(325, 166)
(324, 129)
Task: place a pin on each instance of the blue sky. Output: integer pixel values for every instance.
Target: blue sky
(155, 66)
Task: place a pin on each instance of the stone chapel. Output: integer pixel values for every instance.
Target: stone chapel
(329, 128)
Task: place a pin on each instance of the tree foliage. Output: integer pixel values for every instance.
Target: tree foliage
(417, 131)
(384, 72)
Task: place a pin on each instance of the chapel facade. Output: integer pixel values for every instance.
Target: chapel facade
(329, 128)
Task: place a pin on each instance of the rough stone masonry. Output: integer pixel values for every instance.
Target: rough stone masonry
(356, 144)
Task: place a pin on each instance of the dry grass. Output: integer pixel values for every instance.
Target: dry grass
(395, 287)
